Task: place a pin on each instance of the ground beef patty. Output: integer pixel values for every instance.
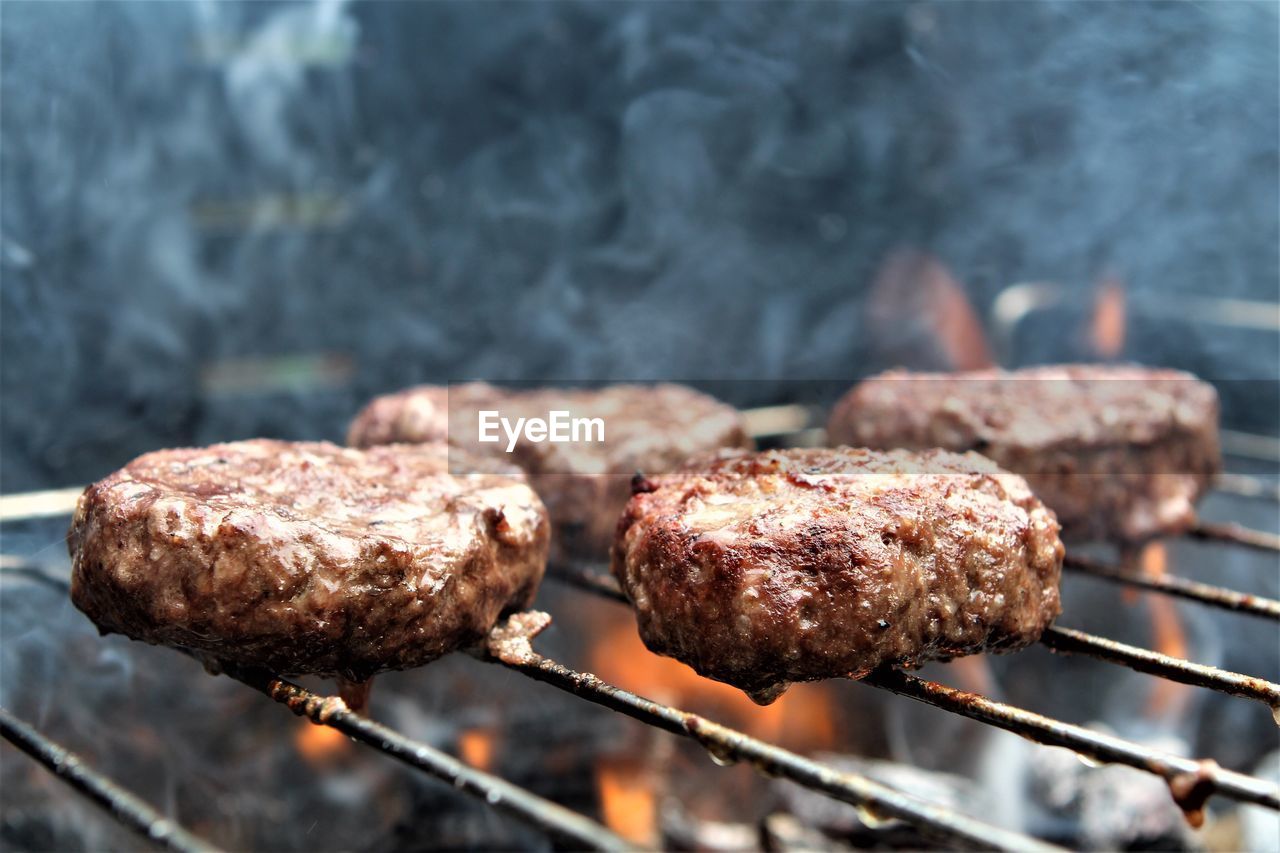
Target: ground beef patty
(1120, 453)
(306, 557)
(418, 415)
(650, 428)
(795, 565)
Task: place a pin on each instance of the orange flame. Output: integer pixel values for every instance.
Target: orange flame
(319, 744)
(1107, 329)
(628, 801)
(1167, 635)
(475, 746)
(803, 718)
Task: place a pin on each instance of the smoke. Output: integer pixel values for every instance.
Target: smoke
(561, 190)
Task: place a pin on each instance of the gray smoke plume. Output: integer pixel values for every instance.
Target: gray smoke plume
(563, 190)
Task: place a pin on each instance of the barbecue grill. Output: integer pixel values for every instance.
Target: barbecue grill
(245, 219)
(1191, 782)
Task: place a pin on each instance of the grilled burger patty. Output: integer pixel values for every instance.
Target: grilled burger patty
(796, 565)
(415, 416)
(585, 485)
(1119, 452)
(306, 557)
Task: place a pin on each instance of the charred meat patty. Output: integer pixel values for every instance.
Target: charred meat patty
(796, 565)
(1121, 453)
(585, 484)
(306, 557)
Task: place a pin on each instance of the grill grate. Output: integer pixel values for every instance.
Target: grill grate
(728, 745)
(1191, 781)
(551, 817)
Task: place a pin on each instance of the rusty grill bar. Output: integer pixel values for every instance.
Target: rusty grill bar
(119, 803)
(728, 745)
(1236, 535)
(1070, 641)
(1191, 782)
(1214, 596)
(552, 818)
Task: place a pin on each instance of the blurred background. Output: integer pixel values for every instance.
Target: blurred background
(232, 219)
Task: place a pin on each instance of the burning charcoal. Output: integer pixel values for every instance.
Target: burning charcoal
(861, 826)
(1106, 808)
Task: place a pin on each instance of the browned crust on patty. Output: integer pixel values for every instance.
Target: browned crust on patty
(1119, 452)
(796, 565)
(306, 557)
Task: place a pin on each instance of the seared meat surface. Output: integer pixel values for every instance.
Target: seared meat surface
(306, 557)
(1119, 453)
(585, 485)
(796, 565)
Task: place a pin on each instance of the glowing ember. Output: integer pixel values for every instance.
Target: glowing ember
(1107, 331)
(475, 746)
(628, 800)
(319, 744)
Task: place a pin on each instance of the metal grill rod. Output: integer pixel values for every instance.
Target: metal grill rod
(1190, 781)
(1214, 596)
(1069, 641)
(121, 804)
(1235, 534)
(331, 711)
(509, 646)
